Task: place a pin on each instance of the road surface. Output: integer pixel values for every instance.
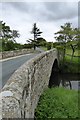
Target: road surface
(10, 65)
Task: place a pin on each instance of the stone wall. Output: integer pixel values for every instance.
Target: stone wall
(0, 55)
(7, 54)
(22, 91)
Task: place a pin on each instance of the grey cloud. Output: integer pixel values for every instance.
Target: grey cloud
(52, 11)
(61, 10)
(45, 11)
(49, 16)
(20, 6)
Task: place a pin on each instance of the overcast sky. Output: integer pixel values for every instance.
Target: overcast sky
(49, 16)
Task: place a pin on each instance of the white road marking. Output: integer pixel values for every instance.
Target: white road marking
(2, 60)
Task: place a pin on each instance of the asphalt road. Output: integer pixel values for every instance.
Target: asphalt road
(9, 66)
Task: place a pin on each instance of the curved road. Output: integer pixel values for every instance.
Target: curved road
(9, 66)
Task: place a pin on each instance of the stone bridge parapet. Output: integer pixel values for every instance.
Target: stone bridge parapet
(7, 54)
(20, 95)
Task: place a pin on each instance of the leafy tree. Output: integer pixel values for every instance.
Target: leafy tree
(5, 31)
(15, 34)
(7, 36)
(75, 37)
(77, 34)
(36, 33)
(64, 35)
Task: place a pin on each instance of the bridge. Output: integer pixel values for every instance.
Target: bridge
(20, 95)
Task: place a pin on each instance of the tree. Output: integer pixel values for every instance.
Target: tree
(77, 34)
(65, 35)
(36, 33)
(75, 37)
(7, 36)
(15, 34)
(41, 42)
(5, 32)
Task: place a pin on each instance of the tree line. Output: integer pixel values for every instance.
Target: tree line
(63, 37)
(8, 38)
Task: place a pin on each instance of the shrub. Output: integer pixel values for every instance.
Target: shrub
(58, 103)
(48, 45)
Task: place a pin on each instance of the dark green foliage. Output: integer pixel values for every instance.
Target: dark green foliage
(18, 46)
(68, 67)
(9, 45)
(58, 103)
(28, 46)
(41, 42)
(49, 45)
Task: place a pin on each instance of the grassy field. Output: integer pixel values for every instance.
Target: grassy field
(75, 59)
(71, 65)
(76, 53)
(58, 103)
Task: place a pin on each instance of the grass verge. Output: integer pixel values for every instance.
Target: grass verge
(58, 103)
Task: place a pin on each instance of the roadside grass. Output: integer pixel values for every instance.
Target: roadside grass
(76, 53)
(58, 103)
